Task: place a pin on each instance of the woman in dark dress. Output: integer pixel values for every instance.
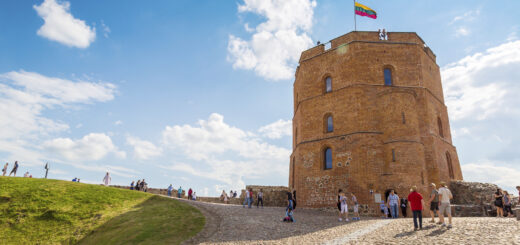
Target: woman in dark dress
(499, 202)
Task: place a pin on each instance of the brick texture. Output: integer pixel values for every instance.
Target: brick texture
(384, 136)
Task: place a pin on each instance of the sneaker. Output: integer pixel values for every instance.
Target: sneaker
(449, 226)
(443, 224)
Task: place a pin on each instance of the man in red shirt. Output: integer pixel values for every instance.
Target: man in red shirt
(416, 204)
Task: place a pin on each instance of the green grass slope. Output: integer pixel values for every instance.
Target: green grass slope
(40, 211)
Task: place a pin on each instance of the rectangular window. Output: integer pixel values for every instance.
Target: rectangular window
(393, 155)
(330, 127)
(328, 158)
(404, 119)
(388, 76)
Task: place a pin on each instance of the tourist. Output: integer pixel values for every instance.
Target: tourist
(145, 186)
(141, 186)
(107, 179)
(247, 199)
(343, 206)
(260, 198)
(79, 180)
(235, 194)
(190, 191)
(393, 204)
(4, 170)
(499, 202)
(137, 185)
(170, 189)
(404, 206)
(384, 209)
(290, 208)
(194, 196)
(179, 192)
(338, 203)
(224, 197)
(230, 194)
(132, 185)
(445, 207)
(26, 175)
(15, 168)
(252, 199)
(507, 204)
(434, 202)
(416, 204)
(356, 207)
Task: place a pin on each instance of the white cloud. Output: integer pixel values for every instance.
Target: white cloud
(462, 31)
(24, 96)
(143, 149)
(118, 122)
(467, 17)
(277, 129)
(91, 147)
(477, 85)
(505, 177)
(224, 153)
(276, 44)
(59, 25)
(106, 29)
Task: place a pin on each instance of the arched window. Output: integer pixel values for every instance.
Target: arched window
(450, 166)
(327, 158)
(388, 76)
(439, 124)
(328, 84)
(330, 126)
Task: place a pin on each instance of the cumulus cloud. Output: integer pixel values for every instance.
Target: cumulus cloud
(503, 176)
(143, 150)
(24, 96)
(91, 147)
(275, 45)
(60, 26)
(277, 129)
(224, 153)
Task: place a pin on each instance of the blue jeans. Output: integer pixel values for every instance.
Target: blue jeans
(169, 193)
(248, 201)
(394, 211)
(417, 214)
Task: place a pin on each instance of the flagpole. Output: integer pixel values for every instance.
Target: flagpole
(355, 27)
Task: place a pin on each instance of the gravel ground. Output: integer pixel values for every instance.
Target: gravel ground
(233, 224)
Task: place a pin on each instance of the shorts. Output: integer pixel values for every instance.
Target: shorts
(344, 209)
(356, 208)
(434, 206)
(445, 208)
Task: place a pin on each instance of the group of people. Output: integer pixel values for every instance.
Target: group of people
(249, 198)
(140, 185)
(76, 179)
(224, 197)
(342, 204)
(503, 202)
(14, 170)
(192, 195)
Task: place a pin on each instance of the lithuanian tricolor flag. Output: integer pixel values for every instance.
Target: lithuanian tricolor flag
(365, 11)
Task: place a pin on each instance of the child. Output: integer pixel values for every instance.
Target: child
(384, 209)
(289, 209)
(356, 208)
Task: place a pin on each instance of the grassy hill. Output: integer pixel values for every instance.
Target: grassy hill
(40, 211)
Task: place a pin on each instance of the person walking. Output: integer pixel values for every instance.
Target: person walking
(356, 207)
(4, 170)
(138, 185)
(393, 204)
(132, 185)
(247, 199)
(170, 189)
(434, 202)
(142, 186)
(260, 198)
(107, 179)
(190, 192)
(445, 208)
(404, 206)
(290, 208)
(15, 168)
(499, 202)
(416, 204)
(343, 206)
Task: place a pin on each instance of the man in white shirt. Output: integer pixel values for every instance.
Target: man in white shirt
(444, 197)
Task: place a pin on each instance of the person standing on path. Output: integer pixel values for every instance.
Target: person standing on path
(416, 204)
(499, 202)
(393, 204)
(356, 207)
(251, 198)
(260, 198)
(246, 199)
(434, 202)
(137, 185)
(107, 179)
(190, 192)
(4, 170)
(343, 206)
(132, 185)
(507, 204)
(15, 168)
(290, 207)
(445, 208)
(170, 189)
(404, 206)
(179, 192)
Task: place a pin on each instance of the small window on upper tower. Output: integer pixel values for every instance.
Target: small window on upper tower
(388, 76)
(328, 84)
(439, 124)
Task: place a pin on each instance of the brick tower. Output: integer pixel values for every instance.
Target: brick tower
(369, 116)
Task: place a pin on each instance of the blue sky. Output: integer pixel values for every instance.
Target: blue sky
(200, 95)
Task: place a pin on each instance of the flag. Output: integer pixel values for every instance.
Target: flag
(365, 11)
